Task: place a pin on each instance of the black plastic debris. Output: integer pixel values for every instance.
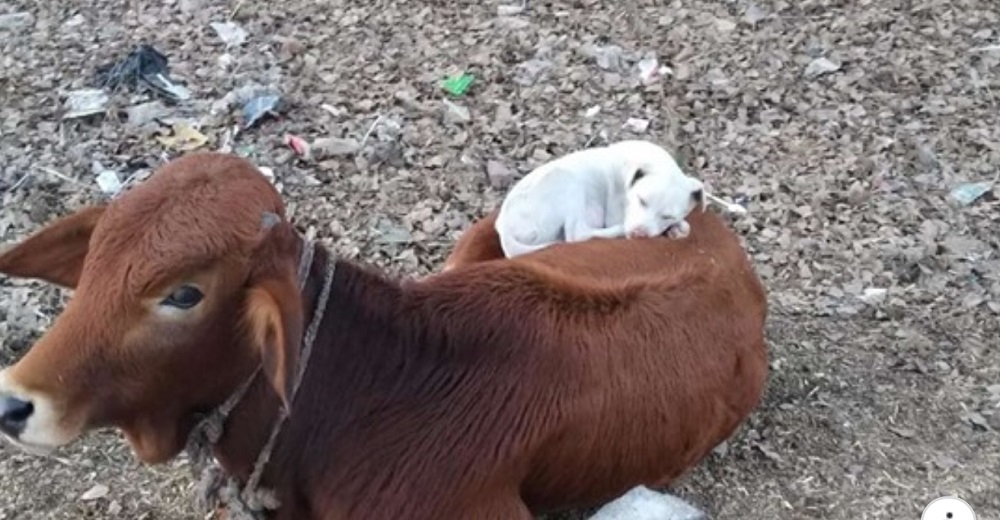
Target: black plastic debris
(145, 66)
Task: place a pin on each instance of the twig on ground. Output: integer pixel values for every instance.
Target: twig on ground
(18, 184)
(370, 130)
(66, 178)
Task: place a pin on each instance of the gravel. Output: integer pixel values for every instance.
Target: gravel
(842, 126)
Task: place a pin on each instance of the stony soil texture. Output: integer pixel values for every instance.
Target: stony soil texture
(842, 125)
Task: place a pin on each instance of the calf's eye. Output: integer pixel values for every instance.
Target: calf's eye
(184, 297)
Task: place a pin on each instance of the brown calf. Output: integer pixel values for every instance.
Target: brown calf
(493, 391)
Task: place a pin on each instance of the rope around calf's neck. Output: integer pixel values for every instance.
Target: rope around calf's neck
(215, 487)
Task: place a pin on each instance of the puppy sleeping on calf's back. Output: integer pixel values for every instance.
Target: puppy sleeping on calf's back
(627, 189)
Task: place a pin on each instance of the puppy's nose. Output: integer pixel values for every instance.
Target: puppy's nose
(697, 196)
(14, 414)
(638, 233)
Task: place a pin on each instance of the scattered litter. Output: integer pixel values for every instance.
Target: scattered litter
(820, 66)
(141, 114)
(455, 113)
(510, 10)
(636, 125)
(334, 147)
(650, 70)
(499, 174)
(16, 21)
(457, 85)
(298, 144)
(107, 180)
(83, 103)
(256, 108)
(97, 492)
(185, 138)
(144, 65)
(592, 111)
(230, 33)
(968, 193)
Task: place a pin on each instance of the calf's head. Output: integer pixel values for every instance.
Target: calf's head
(182, 286)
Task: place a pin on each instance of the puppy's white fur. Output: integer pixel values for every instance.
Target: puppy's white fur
(629, 188)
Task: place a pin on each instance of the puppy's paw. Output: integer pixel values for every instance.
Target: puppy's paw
(679, 230)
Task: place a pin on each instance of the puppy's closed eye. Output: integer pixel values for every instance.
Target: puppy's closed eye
(642, 202)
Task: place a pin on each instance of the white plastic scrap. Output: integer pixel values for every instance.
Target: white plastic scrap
(82, 103)
(231, 34)
(636, 125)
(650, 70)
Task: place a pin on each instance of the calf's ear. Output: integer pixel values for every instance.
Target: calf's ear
(274, 312)
(56, 253)
(274, 306)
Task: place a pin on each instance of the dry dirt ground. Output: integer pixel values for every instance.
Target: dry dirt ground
(841, 124)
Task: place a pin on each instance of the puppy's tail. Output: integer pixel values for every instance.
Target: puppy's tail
(512, 246)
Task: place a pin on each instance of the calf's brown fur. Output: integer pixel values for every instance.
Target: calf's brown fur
(496, 390)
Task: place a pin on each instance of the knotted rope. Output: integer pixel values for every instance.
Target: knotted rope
(215, 488)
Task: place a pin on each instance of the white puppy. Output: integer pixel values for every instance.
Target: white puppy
(629, 188)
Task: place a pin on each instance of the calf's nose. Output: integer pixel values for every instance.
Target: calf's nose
(14, 414)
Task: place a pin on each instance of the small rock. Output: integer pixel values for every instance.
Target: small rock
(95, 493)
(945, 462)
(334, 147)
(995, 421)
(874, 295)
(977, 420)
(141, 114)
(114, 508)
(455, 113)
(532, 71)
(819, 67)
(509, 10)
(499, 175)
(724, 26)
(905, 433)
(994, 390)
(16, 21)
(754, 14)
(608, 57)
(592, 111)
(857, 193)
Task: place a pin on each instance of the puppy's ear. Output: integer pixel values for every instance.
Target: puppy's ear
(633, 172)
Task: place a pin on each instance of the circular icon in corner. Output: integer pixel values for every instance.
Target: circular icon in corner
(948, 508)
